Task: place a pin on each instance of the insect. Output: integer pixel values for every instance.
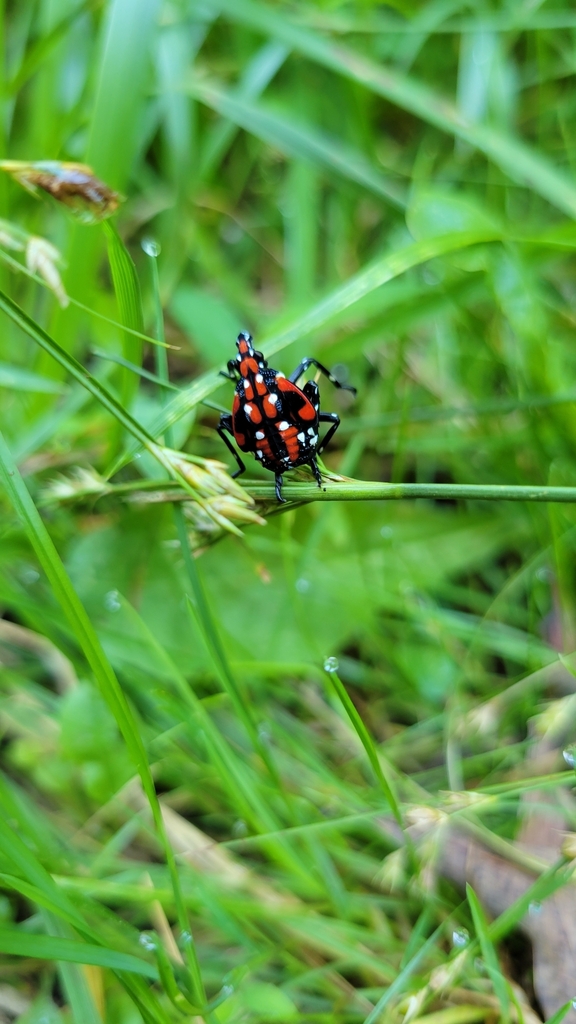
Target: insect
(272, 417)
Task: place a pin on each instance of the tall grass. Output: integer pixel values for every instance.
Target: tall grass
(195, 815)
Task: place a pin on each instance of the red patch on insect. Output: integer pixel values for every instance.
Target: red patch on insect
(306, 411)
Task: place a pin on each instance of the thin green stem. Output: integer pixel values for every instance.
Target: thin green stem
(360, 490)
(368, 744)
(357, 490)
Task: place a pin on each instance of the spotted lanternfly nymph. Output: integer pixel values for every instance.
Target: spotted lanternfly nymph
(272, 417)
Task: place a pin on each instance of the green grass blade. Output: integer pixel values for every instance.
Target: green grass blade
(128, 296)
(124, 69)
(516, 159)
(296, 139)
(49, 947)
(18, 379)
(259, 72)
(73, 979)
(560, 1014)
(398, 986)
(367, 742)
(73, 367)
(488, 952)
(103, 672)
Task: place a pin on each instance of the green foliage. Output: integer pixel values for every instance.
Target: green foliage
(391, 190)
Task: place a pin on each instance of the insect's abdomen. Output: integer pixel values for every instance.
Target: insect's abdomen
(273, 419)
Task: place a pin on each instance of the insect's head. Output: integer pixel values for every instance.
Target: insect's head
(247, 351)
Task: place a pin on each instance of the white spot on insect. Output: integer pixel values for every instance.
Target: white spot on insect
(259, 378)
(311, 431)
(273, 399)
(248, 410)
(286, 458)
(260, 435)
(314, 438)
(280, 374)
(316, 404)
(259, 455)
(284, 425)
(301, 437)
(238, 358)
(261, 365)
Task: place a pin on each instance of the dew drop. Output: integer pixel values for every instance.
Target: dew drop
(535, 908)
(331, 665)
(147, 942)
(227, 990)
(30, 576)
(569, 756)
(151, 247)
(186, 938)
(544, 573)
(112, 601)
(574, 1004)
(239, 829)
(386, 532)
(302, 586)
(460, 938)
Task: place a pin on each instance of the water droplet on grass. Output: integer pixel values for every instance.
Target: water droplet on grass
(331, 665)
(386, 532)
(112, 601)
(460, 938)
(302, 586)
(239, 829)
(535, 908)
(569, 756)
(151, 247)
(30, 576)
(147, 942)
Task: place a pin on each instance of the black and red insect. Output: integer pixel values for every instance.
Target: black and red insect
(272, 417)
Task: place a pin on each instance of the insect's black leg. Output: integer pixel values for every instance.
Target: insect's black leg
(278, 479)
(310, 361)
(334, 419)
(317, 474)
(225, 424)
(232, 367)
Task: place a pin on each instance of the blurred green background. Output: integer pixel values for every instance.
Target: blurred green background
(387, 188)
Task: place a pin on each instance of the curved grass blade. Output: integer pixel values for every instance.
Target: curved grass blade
(103, 672)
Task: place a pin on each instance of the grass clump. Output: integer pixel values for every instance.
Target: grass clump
(247, 754)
